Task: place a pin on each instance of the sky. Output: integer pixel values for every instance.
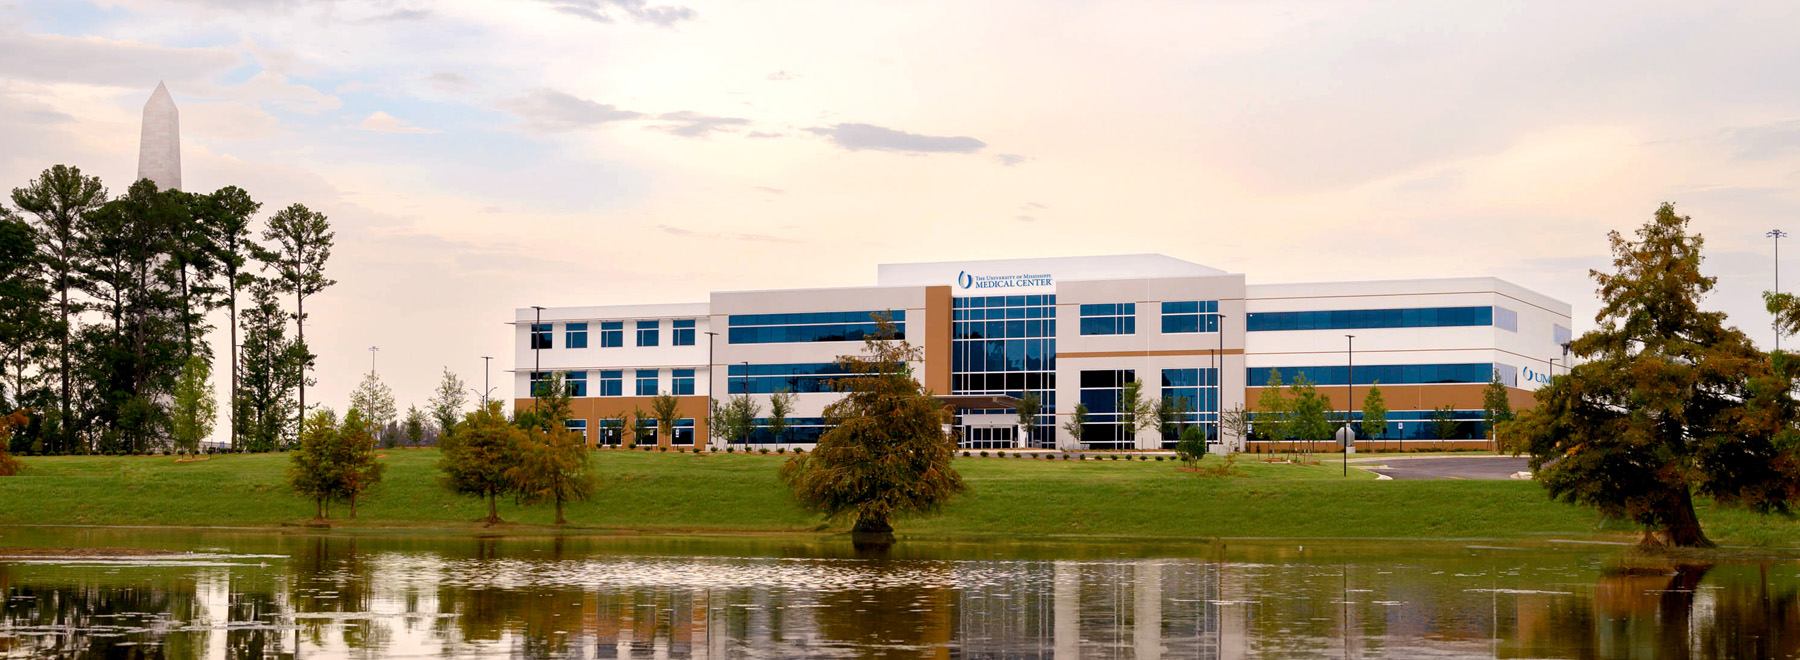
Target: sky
(477, 157)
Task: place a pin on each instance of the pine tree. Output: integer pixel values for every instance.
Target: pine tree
(226, 217)
(59, 197)
(375, 401)
(300, 245)
(415, 426)
(270, 371)
(26, 324)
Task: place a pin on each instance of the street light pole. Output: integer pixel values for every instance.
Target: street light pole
(537, 359)
(372, 350)
(1349, 397)
(485, 390)
(1777, 234)
(711, 402)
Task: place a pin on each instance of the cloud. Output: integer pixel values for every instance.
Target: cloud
(1010, 160)
(399, 15)
(275, 89)
(764, 134)
(781, 75)
(1765, 141)
(638, 10)
(382, 122)
(448, 81)
(694, 124)
(731, 236)
(857, 137)
(100, 61)
(553, 111)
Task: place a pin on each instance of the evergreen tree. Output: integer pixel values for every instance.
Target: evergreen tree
(26, 323)
(1374, 412)
(553, 466)
(270, 371)
(300, 244)
(1667, 401)
(781, 405)
(448, 402)
(477, 455)
(316, 470)
(1192, 446)
(1309, 417)
(195, 410)
(375, 401)
(192, 261)
(886, 453)
(58, 198)
(355, 448)
(226, 218)
(415, 426)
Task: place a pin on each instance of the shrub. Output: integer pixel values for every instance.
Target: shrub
(984, 453)
(731, 450)
(763, 450)
(781, 450)
(1192, 447)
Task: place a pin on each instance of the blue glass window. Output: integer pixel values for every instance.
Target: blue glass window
(772, 378)
(809, 327)
(540, 335)
(1190, 316)
(1109, 319)
(646, 382)
(575, 382)
(612, 334)
(540, 383)
(647, 332)
(1351, 319)
(1560, 334)
(612, 383)
(683, 431)
(682, 332)
(574, 335)
(1100, 392)
(682, 382)
(578, 426)
(1506, 319)
(800, 430)
(1388, 374)
(1007, 345)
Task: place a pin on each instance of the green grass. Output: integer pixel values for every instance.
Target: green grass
(1012, 498)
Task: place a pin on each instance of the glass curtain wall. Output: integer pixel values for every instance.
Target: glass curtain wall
(1007, 345)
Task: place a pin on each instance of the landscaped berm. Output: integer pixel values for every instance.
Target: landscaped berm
(1013, 498)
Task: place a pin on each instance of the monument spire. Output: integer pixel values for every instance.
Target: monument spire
(159, 149)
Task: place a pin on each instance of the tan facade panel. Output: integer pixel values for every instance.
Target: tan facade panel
(937, 339)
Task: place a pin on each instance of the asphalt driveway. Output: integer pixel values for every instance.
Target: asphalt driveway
(1445, 467)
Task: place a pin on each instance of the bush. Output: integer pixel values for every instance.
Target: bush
(984, 453)
(731, 450)
(781, 450)
(763, 450)
(1192, 446)
(799, 450)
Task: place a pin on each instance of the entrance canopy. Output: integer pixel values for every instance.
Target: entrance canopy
(976, 401)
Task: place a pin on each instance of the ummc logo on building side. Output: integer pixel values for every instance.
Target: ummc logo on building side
(966, 281)
(1534, 376)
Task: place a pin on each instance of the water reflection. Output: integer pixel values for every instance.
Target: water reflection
(303, 595)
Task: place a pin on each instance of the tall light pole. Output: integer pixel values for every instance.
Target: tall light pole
(710, 401)
(747, 398)
(1777, 234)
(372, 350)
(537, 360)
(485, 390)
(1349, 397)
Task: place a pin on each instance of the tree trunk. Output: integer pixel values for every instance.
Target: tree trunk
(559, 513)
(1683, 525)
(871, 531)
(66, 439)
(353, 506)
(318, 508)
(493, 510)
(232, 405)
(300, 332)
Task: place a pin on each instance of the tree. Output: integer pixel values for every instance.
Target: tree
(1167, 416)
(1235, 421)
(226, 217)
(448, 401)
(551, 405)
(1078, 421)
(737, 418)
(477, 455)
(1273, 408)
(270, 370)
(355, 447)
(374, 401)
(415, 426)
(1667, 401)
(1029, 407)
(781, 405)
(886, 452)
(621, 422)
(315, 470)
(1374, 412)
(194, 407)
(1444, 424)
(10, 466)
(59, 197)
(1192, 446)
(666, 410)
(553, 466)
(1309, 417)
(1135, 413)
(194, 267)
(1496, 407)
(301, 242)
(26, 320)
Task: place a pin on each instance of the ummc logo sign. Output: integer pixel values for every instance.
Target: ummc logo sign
(966, 281)
(1527, 373)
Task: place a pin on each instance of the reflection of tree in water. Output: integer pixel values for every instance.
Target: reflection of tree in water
(107, 620)
(1753, 621)
(878, 617)
(331, 576)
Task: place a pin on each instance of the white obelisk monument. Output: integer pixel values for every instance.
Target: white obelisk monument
(159, 149)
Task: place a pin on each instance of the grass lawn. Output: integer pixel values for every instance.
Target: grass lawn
(1012, 498)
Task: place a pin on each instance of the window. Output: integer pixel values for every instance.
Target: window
(1506, 319)
(684, 432)
(609, 433)
(682, 333)
(1190, 316)
(809, 327)
(772, 378)
(800, 430)
(612, 334)
(1006, 345)
(540, 383)
(1351, 319)
(1100, 391)
(1387, 374)
(540, 335)
(612, 383)
(683, 384)
(1560, 334)
(646, 382)
(1109, 319)
(1194, 395)
(647, 332)
(574, 335)
(579, 426)
(575, 382)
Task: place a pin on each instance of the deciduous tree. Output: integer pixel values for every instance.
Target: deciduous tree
(1374, 412)
(1077, 424)
(1192, 446)
(1444, 424)
(886, 453)
(1273, 408)
(1135, 412)
(1667, 401)
(195, 410)
(781, 406)
(355, 446)
(448, 402)
(1496, 407)
(415, 426)
(375, 401)
(315, 470)
(1309, 416)
(553, 466)
(666, 410)
(1029, 407)
(477, 454)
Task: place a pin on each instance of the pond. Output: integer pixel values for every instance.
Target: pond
(219, 594)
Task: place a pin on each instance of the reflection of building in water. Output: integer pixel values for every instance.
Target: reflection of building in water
(1143, 609)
